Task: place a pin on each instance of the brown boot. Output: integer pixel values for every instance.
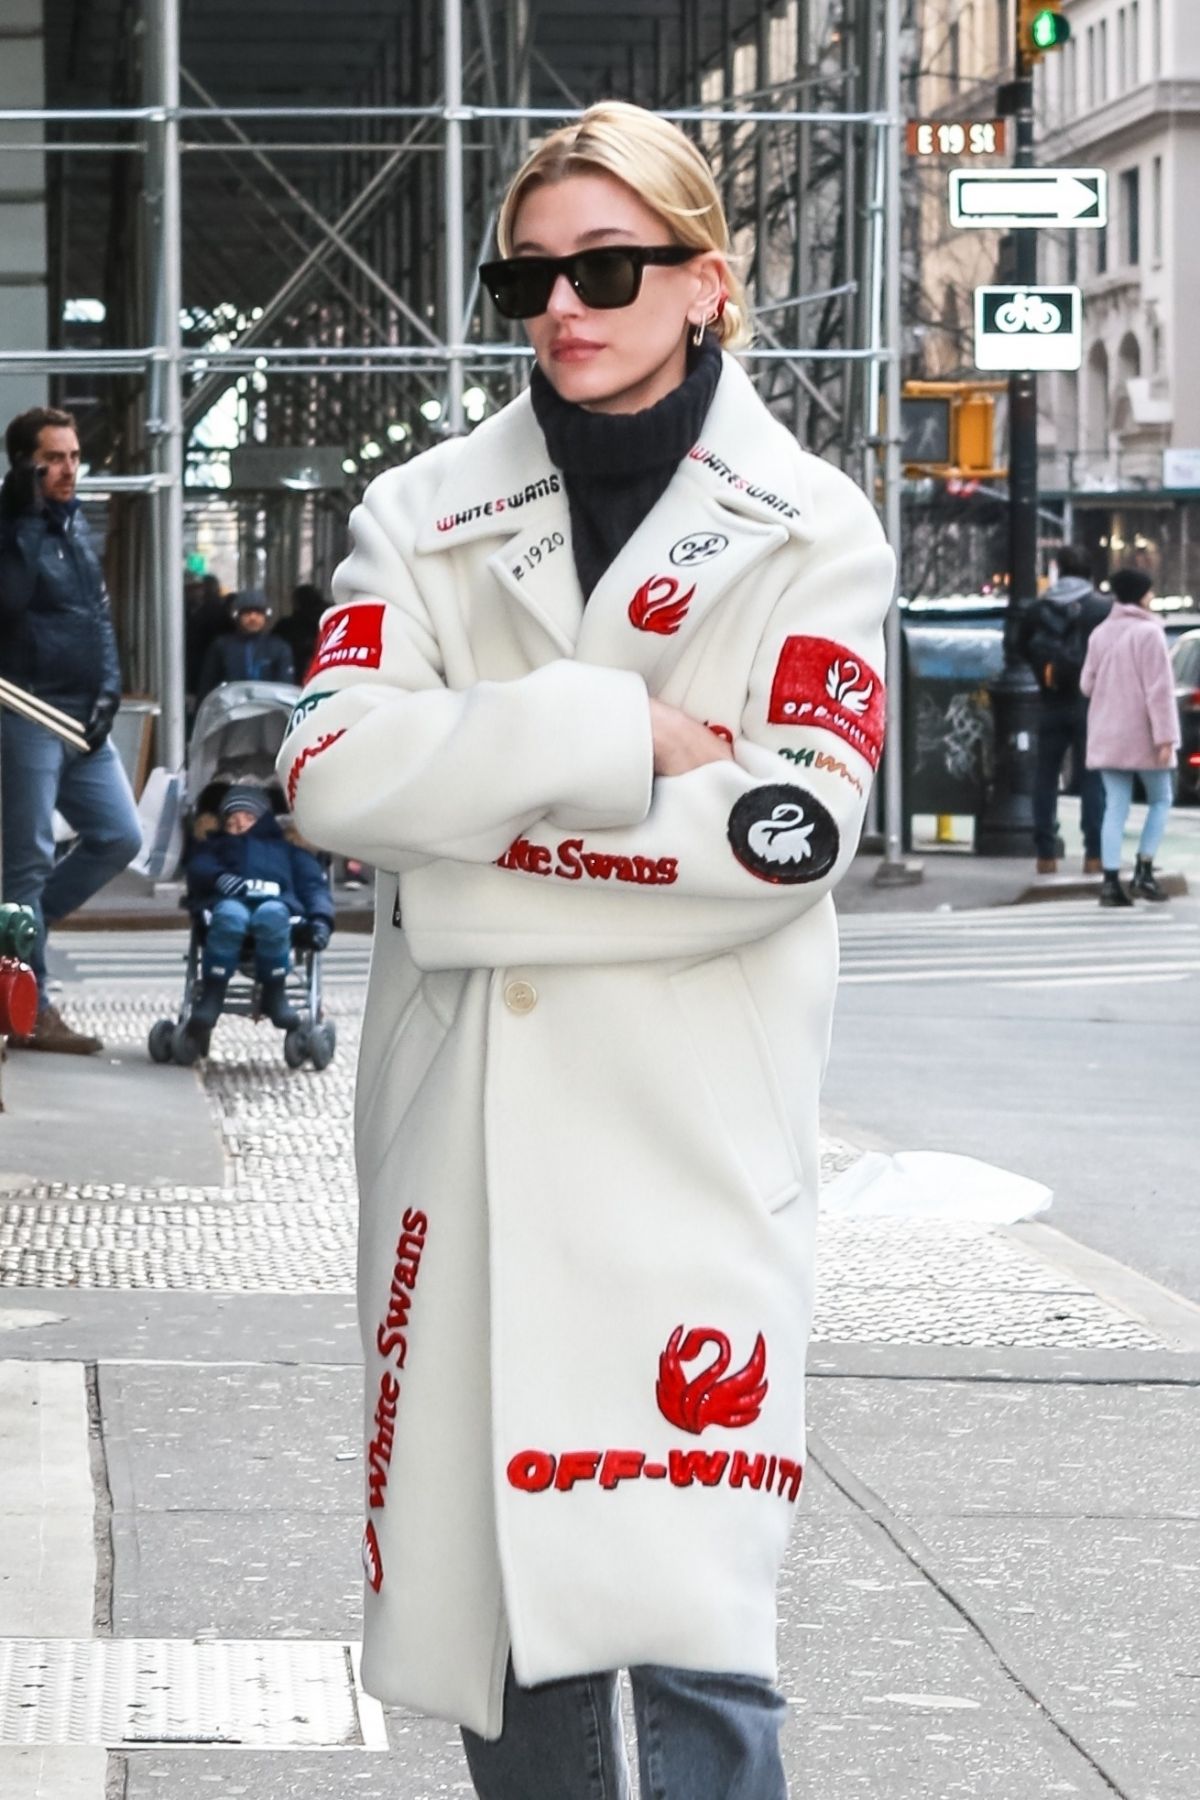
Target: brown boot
(1047, 865)
(53, 1033)
(1092, 865)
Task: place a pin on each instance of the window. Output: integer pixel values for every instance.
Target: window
(1072, 274)
(1101, 237)
(1156, 44)
(1092, 91)
(1156, 210)
(1102, 61)
(1131, 222)
(1071, 67)
(954, 56)
(1122, 48)
(1135, 44)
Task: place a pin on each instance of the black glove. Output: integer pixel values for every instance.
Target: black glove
(230, 886)
(21, 490)
(100, 720)
(319, 933)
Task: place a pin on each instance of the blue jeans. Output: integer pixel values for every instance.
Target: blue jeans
(700, 1737)
(41, 773)
(269, 924)
(1062, 726)
(1118, 797)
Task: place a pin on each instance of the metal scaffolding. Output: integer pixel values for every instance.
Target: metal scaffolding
(223, 245)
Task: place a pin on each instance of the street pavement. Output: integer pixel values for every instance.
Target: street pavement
(992, 1590)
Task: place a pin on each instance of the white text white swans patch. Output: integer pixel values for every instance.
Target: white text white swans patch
(782, 833)
(818, 682)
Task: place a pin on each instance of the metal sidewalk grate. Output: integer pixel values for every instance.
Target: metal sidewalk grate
(127, 1692)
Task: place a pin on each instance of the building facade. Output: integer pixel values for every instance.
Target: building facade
(1120, 439)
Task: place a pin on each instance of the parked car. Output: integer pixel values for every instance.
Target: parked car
(1185, 661)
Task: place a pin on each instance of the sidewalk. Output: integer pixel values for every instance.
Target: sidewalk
(991, 1591)
(950, 876)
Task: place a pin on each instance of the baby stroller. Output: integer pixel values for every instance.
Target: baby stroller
(236, 738)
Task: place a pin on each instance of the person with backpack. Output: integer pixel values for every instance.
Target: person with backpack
(1054, 639)
(1133, 729)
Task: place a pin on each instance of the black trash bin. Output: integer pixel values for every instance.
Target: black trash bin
(949, 660)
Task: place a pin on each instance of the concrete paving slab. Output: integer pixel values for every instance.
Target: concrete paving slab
(156, 1327)
(47, 1549)
(860, 1623)
(1099, 1615)
(52, 1772)
(934, 1449)
(115, 1117)
(428, 1766)
(919, 1748)
(237, 1574)
(232, 1439)
(1161, 1766)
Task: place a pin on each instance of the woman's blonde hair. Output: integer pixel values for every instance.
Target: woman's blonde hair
(664, 169)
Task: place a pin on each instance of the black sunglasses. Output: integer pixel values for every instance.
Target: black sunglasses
(606, 278)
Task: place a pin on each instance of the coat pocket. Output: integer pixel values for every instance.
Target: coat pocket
(416, 1039)
(735, 1059)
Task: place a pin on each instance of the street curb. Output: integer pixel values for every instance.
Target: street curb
(1087, 887)
(1169, 1316)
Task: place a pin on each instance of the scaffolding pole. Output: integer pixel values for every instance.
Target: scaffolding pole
(454, 328)
(165, 424)
(893, 870)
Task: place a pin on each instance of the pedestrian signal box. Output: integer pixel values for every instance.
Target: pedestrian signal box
(948, 429)
(1040, 28)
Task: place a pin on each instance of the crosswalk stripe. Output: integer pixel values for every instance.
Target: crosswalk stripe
(1071, 981)
(986, 972)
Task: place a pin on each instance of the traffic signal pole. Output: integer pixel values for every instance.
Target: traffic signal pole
(1023, 390)
(1005, 827)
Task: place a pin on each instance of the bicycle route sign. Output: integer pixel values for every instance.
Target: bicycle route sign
(1026, 328)
(1028, 199)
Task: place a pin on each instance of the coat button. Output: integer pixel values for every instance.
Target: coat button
(520, 996)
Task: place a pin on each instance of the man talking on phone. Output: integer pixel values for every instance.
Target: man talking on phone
(57, 642)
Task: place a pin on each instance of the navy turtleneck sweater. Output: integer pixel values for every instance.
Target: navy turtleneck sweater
(616, 466)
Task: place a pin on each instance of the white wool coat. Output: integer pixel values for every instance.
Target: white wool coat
(595, 1032)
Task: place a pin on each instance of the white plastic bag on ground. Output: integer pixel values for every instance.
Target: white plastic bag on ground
(160, 812)
(932, 1184)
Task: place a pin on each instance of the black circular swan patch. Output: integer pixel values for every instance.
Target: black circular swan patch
(782, 833)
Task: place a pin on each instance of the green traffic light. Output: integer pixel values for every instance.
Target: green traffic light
(1049, 30)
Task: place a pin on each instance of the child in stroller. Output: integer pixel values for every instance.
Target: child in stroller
(247, 881)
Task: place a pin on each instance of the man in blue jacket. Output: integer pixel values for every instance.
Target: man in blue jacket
(56, 641)
(251, 652)
(252, 882)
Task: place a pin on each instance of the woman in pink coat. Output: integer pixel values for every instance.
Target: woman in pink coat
(1133, 728)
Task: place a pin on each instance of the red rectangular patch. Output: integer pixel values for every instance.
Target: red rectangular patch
(820, 683)
(351, 637)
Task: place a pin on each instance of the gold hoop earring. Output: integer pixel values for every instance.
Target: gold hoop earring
(698, 334)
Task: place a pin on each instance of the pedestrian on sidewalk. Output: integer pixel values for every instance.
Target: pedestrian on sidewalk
(1133, 729)
(600, 690)
(1053, 637)
(56, 641)
(251, 652)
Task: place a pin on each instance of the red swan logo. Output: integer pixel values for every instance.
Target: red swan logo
(712, 1397)
(658, 605)
(372, 1561)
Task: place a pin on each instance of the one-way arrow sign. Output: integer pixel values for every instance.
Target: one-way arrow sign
(1015, 199)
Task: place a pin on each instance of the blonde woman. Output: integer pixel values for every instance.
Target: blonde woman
(600, 698)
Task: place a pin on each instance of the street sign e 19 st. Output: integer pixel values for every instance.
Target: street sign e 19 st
(1023, 328)
(1025, 199)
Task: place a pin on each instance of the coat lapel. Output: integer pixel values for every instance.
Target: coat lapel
(503, 486)
(653, 598)
(722, 514)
